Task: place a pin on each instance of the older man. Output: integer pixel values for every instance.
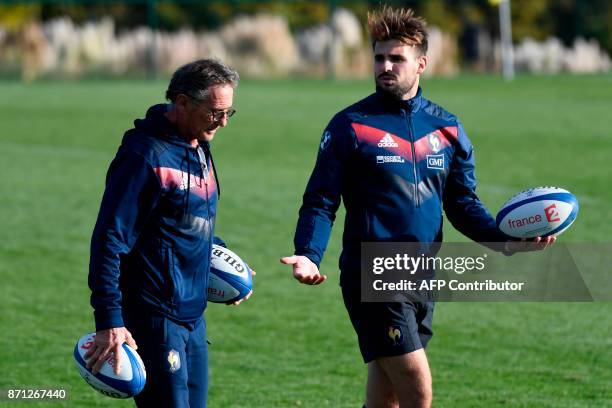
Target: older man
(151, 246)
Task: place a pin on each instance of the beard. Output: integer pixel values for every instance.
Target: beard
(396, 90)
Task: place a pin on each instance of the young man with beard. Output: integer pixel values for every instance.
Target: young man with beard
(151, 246)
(374, 156)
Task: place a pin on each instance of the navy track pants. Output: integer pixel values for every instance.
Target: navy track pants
(175, 358)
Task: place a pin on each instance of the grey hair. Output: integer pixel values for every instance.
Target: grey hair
(195, 79)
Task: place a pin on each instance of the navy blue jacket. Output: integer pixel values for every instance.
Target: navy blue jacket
(151, 245)
(396, 165)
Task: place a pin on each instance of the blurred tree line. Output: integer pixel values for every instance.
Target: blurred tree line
(539, 19)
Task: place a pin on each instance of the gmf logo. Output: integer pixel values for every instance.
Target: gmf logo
(552, 214)
(435, 161)
(395, 334)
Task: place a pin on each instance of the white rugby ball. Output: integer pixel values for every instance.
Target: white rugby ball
(132, 375)
(538, 212)
(230, 277)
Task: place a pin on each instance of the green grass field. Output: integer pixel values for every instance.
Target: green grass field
(292, 345)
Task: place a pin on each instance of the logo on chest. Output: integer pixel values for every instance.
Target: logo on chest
(185, 181)
(389, 159)
(434, 142)
(387, 141)
(435, 161)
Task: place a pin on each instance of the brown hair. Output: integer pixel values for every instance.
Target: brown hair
(401, 24)
(195, 78)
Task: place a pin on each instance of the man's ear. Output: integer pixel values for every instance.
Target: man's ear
(178, 108)
(182, 101)
(422, 64)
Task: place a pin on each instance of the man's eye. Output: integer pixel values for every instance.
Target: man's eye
(397, 59)
(379, 58)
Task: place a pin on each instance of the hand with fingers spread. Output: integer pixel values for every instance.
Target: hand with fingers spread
(531, 244)
(107, 342)
(304, 270)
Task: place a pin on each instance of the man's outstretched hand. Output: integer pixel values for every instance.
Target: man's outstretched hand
(304, 270)
(535, 244)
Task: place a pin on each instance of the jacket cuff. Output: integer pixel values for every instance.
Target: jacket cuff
(310, 254)
(108, 319)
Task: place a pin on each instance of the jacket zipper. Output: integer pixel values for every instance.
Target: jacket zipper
(205, 170)
(170, 268)
(414, 164)
(204, 167)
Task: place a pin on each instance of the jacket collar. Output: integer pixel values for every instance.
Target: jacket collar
(411, 105)
(157, 124)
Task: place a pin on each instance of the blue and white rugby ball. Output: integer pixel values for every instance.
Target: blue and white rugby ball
(538, 212)
(132, 375)
(230, 277)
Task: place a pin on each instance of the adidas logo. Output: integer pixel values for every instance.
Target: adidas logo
(387, 141)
